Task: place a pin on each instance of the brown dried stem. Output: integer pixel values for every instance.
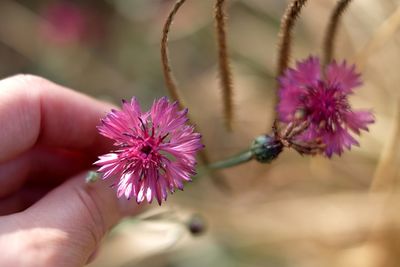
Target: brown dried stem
(173, 89)
(224, 68)
(285, 34)
(330, 34)
(168, 76)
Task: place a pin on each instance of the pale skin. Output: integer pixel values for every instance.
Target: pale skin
(50, 216)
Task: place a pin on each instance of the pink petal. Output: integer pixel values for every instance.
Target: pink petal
(128, 191)
(310, 134)
(308, 71)
(107, 159)
(132, 112)
(289, 102)
(336, 141)
(294, 83)
(344, 76)
(358, 120)
(141, 192)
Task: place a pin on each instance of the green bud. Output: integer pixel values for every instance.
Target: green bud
(266, 148)
(196, 225)
(92, 177)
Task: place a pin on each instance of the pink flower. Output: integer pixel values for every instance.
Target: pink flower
(320, 98)
(156, 150)
(66, 22)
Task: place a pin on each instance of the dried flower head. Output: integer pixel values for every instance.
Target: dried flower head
(318, 99)
(156, 149)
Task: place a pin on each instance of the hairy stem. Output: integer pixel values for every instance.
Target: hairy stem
(224, 68)
(285, 35)
(331, 30)
(168, 76)
(218, 179)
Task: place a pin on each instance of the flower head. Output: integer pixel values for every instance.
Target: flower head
(66, 22)
(156, 149)
(320, 98)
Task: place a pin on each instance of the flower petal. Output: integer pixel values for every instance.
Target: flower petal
(289, 102)
(342, 75)
(338, 140)
(358, 120)
(307, 72)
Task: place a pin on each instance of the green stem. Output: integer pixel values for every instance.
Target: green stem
(233, 161)
(230, 162)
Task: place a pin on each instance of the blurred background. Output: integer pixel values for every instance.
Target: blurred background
(297, 211)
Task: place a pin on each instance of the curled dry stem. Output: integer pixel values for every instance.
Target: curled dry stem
(285, 34)
(224, 67)
(331, 30)
(173, 89)
(168, 76)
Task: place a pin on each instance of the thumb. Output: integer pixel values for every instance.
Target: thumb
(83, 213)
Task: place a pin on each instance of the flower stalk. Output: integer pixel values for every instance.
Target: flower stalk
(233, 161)
(285, 34)
(167, 70)
(264, 149)
(172, 87)
(224, 67)
(331, 31)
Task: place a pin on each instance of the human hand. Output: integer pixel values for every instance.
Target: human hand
(48, 135)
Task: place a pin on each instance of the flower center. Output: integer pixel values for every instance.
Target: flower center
(146, 149)
(324, 105)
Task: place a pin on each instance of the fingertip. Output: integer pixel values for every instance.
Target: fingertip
(19, 113)
(48, 114)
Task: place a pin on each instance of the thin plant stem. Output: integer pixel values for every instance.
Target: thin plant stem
(218, 179)
(230, 162)
(224, 67)
(285, 35)
(211, 169)
(331, 30)
(288, 20)
(168, 76)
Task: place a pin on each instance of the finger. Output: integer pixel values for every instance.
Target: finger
(22, 199)
(13, 175)
(51, 165)
(84, 212)
(34, 110)
(41, 165)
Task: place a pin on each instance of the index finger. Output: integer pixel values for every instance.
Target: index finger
(36, 111)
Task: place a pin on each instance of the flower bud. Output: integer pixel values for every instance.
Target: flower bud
(92, 177)
(266, 148)
(196, 225)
